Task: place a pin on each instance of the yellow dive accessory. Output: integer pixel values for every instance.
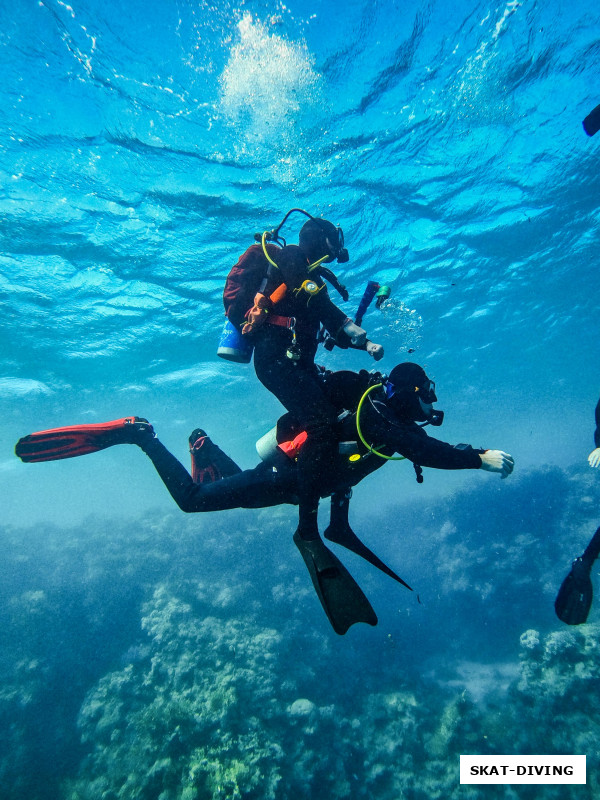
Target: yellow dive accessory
(270, 260)
(316, 263)
(264, 247)
(310, 287)
(369, 447)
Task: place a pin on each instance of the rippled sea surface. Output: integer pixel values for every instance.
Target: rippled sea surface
(143, 145)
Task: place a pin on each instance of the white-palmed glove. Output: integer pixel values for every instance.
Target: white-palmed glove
(357, 336)
(594, 458)
(497, 461)
(375, 350)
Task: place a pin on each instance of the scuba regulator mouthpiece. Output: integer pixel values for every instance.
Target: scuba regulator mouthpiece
(436, 418)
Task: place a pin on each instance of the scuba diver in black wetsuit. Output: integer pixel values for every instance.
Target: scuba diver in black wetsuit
(574, 598)
(376, 417)
(283, 325)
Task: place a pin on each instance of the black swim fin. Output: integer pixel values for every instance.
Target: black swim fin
(574, 599)
(348, 539)
(342, 599)
(78, 440)
(591, 124)
(340, 532)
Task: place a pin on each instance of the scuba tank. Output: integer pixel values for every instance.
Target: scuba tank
(233, 346)
(281, 445)
(269, 451)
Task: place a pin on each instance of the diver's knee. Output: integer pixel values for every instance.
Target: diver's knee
(188, 502)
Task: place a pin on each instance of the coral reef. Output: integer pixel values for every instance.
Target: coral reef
(560, 687)
(192, 718)
(156, 660)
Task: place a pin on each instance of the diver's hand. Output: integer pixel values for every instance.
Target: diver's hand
(497, 461)
(375, 350)
(357, 336)
(594, 458)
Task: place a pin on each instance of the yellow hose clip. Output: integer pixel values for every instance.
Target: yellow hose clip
(370, 447)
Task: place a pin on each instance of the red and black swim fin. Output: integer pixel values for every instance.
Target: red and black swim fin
(77, 440)
(209, 462)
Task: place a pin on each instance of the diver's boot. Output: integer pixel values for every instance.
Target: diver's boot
(338, 519)
(135, 430)
(308, 528)
(195, 438)
(202, 468)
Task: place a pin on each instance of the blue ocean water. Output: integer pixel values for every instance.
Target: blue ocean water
(143, 145)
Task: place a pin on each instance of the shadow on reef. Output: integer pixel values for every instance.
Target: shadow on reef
(186, 657)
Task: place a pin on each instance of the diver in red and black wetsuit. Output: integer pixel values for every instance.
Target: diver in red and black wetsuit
(285, 339)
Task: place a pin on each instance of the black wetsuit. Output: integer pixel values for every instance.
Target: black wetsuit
(296, 383)
(597, 431)
(262, 486)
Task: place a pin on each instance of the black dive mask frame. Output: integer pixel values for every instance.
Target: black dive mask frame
(427, 391)
(428, 396)
(341, 254)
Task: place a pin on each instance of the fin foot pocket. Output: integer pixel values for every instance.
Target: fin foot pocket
(209, 462)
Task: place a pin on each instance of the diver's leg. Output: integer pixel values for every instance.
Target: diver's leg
(253, 488)
(314, 460)
(338, 519)
(297, 386)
